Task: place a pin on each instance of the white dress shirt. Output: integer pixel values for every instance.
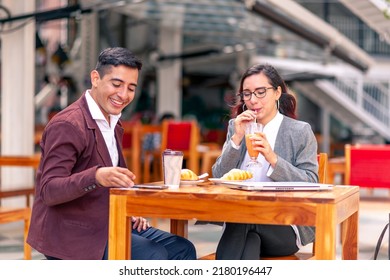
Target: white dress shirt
(107, 129)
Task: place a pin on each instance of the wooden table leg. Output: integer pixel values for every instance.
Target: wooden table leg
(325, 242)
(179, 227)
(27, 248)
(119, 238)
(349, 229)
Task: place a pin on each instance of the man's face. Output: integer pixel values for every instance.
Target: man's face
(115, 90)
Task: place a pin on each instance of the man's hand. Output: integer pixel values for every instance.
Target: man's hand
(115, 177)
(140, 223)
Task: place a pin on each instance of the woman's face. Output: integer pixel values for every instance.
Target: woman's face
(265, 106)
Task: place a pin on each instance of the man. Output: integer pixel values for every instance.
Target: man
(81, 159)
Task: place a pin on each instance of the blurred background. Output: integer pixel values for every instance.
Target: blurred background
(333, 54)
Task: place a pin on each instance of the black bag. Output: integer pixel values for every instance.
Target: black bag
(379, 243)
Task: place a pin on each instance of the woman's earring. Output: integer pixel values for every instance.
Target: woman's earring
(277, 104)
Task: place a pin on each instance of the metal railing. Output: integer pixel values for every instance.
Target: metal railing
(372, 97)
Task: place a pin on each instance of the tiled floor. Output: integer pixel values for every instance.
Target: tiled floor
(373, 217)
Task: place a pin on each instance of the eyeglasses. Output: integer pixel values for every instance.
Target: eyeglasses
(259, 93)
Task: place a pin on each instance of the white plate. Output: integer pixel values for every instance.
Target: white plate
(220, 181)
(190, 182)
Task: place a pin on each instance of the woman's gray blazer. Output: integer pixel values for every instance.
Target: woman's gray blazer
(296, 148)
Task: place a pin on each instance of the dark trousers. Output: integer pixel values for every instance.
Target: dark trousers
(250, 241)
(155, 244)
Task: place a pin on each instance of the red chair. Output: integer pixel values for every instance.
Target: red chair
(179, 136)
(182, 136)
(367, 165)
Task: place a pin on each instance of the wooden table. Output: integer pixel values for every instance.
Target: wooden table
(323, 209)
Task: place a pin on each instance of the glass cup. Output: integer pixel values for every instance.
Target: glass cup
(252, 129)
(172, 165)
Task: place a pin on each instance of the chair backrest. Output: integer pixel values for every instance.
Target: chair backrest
(367, 165)
(322, 167)
(182, 136)
(179, 135)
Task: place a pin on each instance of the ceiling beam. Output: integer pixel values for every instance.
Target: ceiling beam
(65, 12)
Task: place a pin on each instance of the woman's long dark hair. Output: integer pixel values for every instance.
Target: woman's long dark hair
(287, 101)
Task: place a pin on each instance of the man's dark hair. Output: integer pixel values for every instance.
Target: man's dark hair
(114, 57)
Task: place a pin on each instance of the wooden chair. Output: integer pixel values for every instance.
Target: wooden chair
(132, 147)
(336, 165)
(141, 131)
(322, 169)
(322, 178)
(8, 215)
(208, 159)
(13, 214)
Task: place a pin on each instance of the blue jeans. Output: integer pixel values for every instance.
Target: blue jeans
(155, 244)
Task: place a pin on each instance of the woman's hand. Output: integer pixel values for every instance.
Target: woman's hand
(140, 223)
(261, 144)
(240, 124)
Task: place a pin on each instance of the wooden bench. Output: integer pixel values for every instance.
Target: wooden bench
(8, 215)
(13, 214)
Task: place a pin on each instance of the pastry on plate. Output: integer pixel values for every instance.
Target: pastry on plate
(188, 175)
(237, 175)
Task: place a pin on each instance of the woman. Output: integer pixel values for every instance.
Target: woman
(288, 152)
